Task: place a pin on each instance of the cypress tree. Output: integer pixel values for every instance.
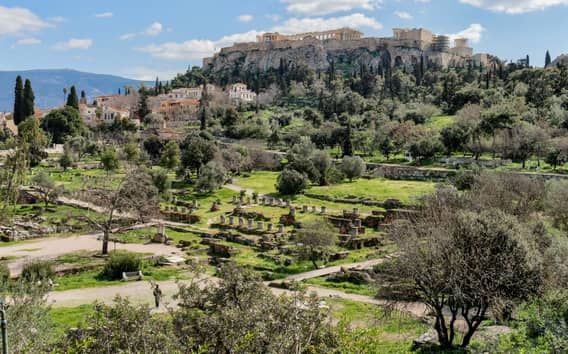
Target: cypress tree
(18, 101)
(28, 100)
(204, 107)
(73, 99)
(547, 59)
(143, 109)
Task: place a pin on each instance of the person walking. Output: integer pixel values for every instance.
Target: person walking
(157, 295)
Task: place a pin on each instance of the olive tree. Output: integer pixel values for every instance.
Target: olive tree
(46, 188)
(465, 262)
(315, 241)
(353, 167)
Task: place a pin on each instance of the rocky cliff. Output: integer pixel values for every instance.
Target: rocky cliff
(318, 55)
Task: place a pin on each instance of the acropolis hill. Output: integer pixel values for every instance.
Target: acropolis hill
(345, 46)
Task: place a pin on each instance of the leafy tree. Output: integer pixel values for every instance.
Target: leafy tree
(171, 156)
(197, 151)
(211, 177)
(18, 114)
(352, 167)
(62, 124)
(454, 138)
(73, 98)
(231, 316)
(109, 160)
(291, 182)
(66, 161)
(322, 163)
(46, 188)
(425, 147)
(555, 202)
(465, 262)
(316, 240)
(153, 146)
(131, 152)
(121, 327)
(28, 100)
(33, 141)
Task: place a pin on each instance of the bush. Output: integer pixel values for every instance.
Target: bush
(38, 271)
(291, 182)
(119, 263)
(353, 167)
(4, 273)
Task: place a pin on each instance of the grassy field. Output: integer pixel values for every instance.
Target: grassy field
(347, 287)
(376, 189)
(440, 122)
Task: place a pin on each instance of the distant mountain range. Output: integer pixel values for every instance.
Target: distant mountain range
(48, 85)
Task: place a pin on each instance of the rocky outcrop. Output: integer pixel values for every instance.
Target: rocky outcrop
(318, 55)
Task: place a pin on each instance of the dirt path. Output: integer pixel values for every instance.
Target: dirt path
(334, 269)
(52, 248)
(141, 293)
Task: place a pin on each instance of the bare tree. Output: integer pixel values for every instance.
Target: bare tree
(135, 196)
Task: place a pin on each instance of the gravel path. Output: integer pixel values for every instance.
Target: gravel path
(52, 248)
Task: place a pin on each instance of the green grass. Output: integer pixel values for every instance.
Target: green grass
(65, 318)
(347, 287)
(378, 189)
(366, 328)
(440, 122)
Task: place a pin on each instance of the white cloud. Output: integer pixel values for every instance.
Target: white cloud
(154, 29)
(473, 33)
(143, 73)
(403, 15)
(298, 25)
(245, 18)
(57, 19)
(326, 7)
(513, 7)
(127, 36)
(104, 15)
(17, 20)
(74, 43)
(28, 41)
(195, 49)
(273, 17)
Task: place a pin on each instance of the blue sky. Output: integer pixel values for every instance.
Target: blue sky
(143, 38)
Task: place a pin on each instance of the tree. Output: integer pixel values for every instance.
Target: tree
(46, 188)
(131, 152)
(425, 147)
(33, 141)
(143, 109)
(352, 167)
(109, 160)
(555, 202)
(62, 124)
(18, 115)
(230, 316)
(316, 241)
(135, 196)
(66, 161)
(153, 146)
(121, 327)
(73, 98)
(196, 151)
(322, 163)
(291, 182)
(211, 177)
(171, 156)
(547, 59)
(28, 100)
(465, 262)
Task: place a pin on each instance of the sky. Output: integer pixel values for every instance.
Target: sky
(142, 39)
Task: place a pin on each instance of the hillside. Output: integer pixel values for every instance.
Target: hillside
(48, 85)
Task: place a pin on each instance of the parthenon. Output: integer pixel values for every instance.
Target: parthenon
(342, 34)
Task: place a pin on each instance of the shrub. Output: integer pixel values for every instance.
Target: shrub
(353, 167)
(119, 263)
(4, 273)
(291, 182)
(38, 271)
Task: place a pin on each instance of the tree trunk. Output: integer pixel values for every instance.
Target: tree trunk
(105, 242)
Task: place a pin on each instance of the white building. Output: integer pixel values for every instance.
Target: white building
(239, 93)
